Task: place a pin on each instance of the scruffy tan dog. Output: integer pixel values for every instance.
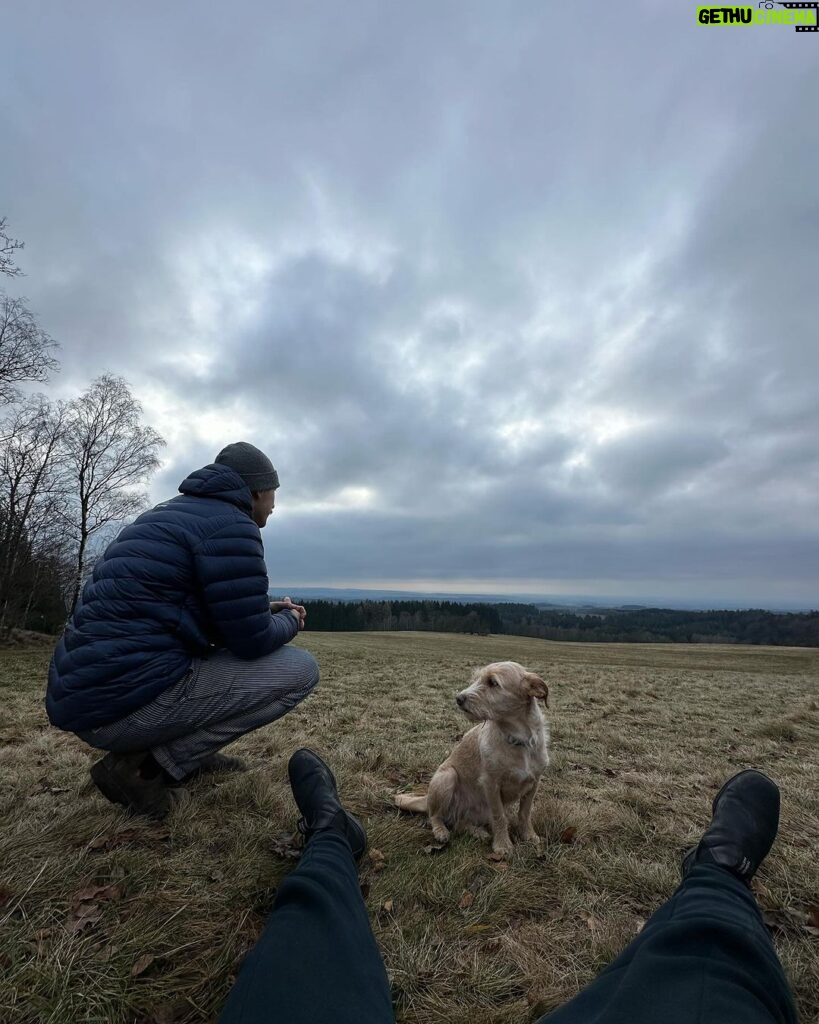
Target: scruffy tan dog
(496, 763)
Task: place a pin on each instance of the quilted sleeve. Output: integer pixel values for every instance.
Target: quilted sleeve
(233, 579)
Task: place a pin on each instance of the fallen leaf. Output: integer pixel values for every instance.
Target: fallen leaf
(169, 1013)
(46, 786)
(568, 834)
(477, 929)
(388, 905)
(142, 965)
(97, 892)
(377, 860)
(287, 844)
(466, 900)
(108, 953)
(788, 920)
(813, 915)
(88, 915)
(639, 924)
(434, 848)
(775, 920)
(592, 923)
(109, 842)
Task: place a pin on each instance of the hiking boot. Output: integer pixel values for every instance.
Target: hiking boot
(212, 764)
(132, 781)
(315, 793)
(743, 826)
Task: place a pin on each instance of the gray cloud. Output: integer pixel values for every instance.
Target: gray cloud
(508, 294)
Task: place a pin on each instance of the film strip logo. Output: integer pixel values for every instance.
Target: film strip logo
(801, 7)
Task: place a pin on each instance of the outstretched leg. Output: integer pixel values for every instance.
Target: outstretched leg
(316, 961)
(705, 957)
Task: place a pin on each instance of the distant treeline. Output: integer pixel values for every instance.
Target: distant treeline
(645, 625)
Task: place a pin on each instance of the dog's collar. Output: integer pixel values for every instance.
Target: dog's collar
(516, 741)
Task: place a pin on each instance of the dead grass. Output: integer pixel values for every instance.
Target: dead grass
(642, 738)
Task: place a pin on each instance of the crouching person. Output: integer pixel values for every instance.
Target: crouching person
(174, 649)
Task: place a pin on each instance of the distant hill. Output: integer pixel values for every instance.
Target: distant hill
(579, 603)
(586, 624)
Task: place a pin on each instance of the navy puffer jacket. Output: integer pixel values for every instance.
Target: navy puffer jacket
(186, 575)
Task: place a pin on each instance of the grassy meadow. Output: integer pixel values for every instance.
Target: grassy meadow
(115, 920)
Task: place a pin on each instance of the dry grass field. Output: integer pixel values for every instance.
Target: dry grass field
(113, 920)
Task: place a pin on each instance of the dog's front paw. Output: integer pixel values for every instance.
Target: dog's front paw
(440, 833)
(526, 834)
(530, 836)
(502, 848)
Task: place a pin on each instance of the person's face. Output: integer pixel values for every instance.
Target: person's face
(263, 504)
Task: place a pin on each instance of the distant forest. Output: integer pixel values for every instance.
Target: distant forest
(644, 625)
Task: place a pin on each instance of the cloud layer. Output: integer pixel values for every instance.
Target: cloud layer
(509, 295)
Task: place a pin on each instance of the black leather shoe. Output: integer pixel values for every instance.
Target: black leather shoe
(119, 778)
(743, 827)
(315, 793)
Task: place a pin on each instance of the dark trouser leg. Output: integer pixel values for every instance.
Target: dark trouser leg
(221, 699)
(316, 960)
(705, 957)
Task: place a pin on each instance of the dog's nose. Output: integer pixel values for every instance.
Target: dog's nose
(460, 700)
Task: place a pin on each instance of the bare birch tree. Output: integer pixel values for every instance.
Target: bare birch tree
(32, 498)
(110, 453)
(26, 351)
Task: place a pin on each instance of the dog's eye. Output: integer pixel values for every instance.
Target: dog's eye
(491, 681)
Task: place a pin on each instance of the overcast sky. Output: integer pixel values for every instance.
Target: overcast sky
(519, 298)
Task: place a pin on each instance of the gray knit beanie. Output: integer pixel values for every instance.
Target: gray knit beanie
(253, 466)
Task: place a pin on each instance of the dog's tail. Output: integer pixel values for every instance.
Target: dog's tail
(408, 802)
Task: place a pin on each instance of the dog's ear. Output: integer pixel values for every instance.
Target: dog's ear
(537, 687)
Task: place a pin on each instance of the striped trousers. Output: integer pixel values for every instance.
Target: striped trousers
(220, 699)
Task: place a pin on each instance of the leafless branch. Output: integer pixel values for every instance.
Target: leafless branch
(8, 246)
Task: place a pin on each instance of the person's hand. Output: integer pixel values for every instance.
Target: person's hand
(286, 605)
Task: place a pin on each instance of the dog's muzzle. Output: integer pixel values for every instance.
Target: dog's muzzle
(462, 700)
